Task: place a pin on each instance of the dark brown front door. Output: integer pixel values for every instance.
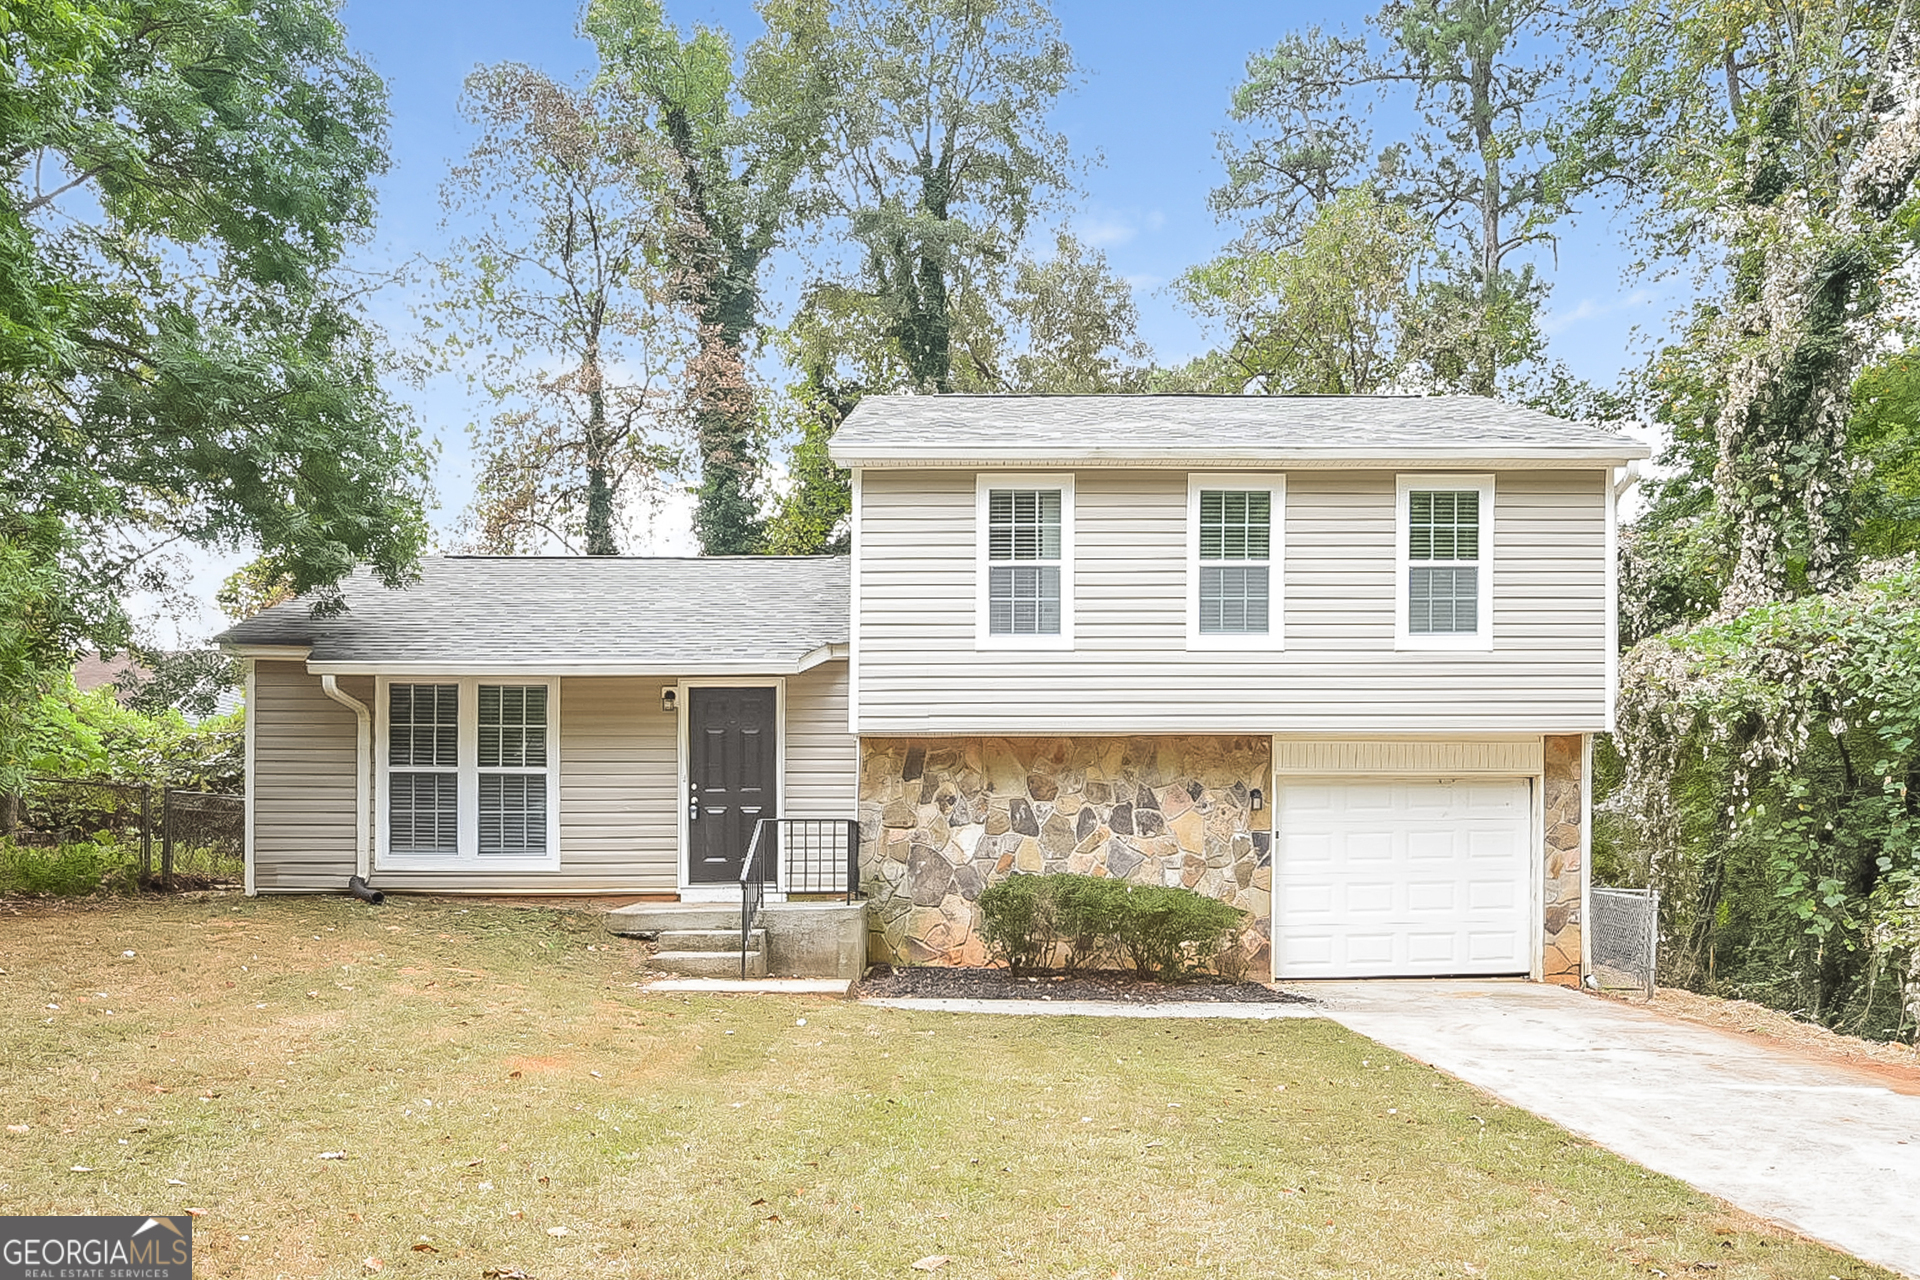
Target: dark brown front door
(731, 777)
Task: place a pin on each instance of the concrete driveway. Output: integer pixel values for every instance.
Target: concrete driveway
(1825, 1149)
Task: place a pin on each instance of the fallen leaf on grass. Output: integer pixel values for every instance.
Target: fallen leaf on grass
(932, 1262)
(504, 1273)
(175, 1182)
(374, 1264)
(16, 1128)
(556, 1231)
(79, 1168)
(513, 1075)
(475, 1164)
(331, 1155)
(424, 1248)
(761, 1200)
(774, 1217)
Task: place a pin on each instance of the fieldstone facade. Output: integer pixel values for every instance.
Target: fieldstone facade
(1564, 850)
(941, 818)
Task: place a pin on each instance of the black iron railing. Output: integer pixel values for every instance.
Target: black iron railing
(810, 856)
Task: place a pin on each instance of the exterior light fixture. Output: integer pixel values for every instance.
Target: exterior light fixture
(669, 699)
(1257, 801)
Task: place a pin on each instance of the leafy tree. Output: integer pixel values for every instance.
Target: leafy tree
(1327, 316)
(936, 149)
(1077, 324)
(737, 139)
(1484, 169)
(181, 356)
(1779, 150)
(561, 296)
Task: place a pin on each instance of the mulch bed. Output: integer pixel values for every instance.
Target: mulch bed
(1117, 985)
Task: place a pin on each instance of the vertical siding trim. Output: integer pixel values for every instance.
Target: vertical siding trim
(853, 626)
(1586, 855)
(253, 716)
(1613, 603)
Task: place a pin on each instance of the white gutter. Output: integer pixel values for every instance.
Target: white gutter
(1628, 475)
(363, 761)
(1510, 457)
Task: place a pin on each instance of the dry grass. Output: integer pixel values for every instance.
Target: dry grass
(493, 1077)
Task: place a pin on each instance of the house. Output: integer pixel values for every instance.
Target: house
(1336, 660)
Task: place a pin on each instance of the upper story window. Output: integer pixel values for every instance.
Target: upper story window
(1025, 561)
(468, 774)
(1234, 561)
(1445, 562)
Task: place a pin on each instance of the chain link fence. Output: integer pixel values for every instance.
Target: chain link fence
(1626, 938)
(61, 832)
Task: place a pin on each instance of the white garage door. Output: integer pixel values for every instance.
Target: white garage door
(1401, 878)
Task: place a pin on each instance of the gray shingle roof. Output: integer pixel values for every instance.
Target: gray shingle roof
(962, 430)
(473, 613)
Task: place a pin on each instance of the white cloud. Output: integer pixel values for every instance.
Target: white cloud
(1590, 308)
(1107, 233)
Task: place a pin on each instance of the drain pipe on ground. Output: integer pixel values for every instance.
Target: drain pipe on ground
(363, 763)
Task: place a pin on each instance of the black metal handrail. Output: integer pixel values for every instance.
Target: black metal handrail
(820, 856)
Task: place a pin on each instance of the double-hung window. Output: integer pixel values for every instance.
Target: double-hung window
(1234, 561)
(1025, 561)
(468, 776)
(1445, 562)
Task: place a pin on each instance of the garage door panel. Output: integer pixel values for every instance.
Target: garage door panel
(1402, 877)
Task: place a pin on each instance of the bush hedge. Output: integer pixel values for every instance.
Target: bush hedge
(1165, 933)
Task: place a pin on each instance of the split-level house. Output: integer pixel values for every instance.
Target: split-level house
(1336, 660)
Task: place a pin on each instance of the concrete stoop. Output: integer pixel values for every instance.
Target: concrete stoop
(792, 939)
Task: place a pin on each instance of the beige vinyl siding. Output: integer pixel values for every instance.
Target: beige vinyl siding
(303, 784)
(823, 759)
(619, 783)
(1130, 670)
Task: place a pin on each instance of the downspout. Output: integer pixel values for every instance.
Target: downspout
(1628, 474)
(363, 764)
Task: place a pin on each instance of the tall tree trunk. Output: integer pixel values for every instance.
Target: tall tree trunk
(925, 333)
(600, 540)
(719, 284)
(1488, 360)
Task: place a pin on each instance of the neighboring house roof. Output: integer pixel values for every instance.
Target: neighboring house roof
(92, 670)
(1133, 430)
(480, 615)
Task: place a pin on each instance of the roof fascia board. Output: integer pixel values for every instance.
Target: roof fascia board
(589, 668)
(270, 652)
(825, 653)
(1518, 457)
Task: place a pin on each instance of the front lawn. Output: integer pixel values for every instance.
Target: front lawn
(501, 1095)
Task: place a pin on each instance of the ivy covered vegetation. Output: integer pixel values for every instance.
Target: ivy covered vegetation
(1764, 774)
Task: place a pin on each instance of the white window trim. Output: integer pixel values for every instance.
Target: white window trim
(467, 754)
(984, 484)
(1481, 639)
(1275, 634)
(689, 891)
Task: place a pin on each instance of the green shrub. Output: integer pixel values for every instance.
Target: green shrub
(1016, 921)
(1165, 933)
(67, 871)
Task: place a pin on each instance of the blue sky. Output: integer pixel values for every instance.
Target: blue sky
(1155, 89)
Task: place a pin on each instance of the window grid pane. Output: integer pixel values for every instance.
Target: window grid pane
(513, 726)
(423, 812)
(1233, 600)
(1023, 524)
(423, 726)
(1443, 525)
(1023, 601)
(1236, 525)
(1443, 601)
(513, 814)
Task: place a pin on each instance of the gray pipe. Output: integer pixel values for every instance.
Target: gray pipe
(359, 888)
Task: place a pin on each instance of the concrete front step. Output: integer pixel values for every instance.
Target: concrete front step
(644, 919)
(710, 940)
(709, 964)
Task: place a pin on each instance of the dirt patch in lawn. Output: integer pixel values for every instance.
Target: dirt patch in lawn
(1897, 1066)
(1119, 985)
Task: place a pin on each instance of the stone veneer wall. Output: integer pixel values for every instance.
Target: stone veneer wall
(1563, 850)
(941, 818)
